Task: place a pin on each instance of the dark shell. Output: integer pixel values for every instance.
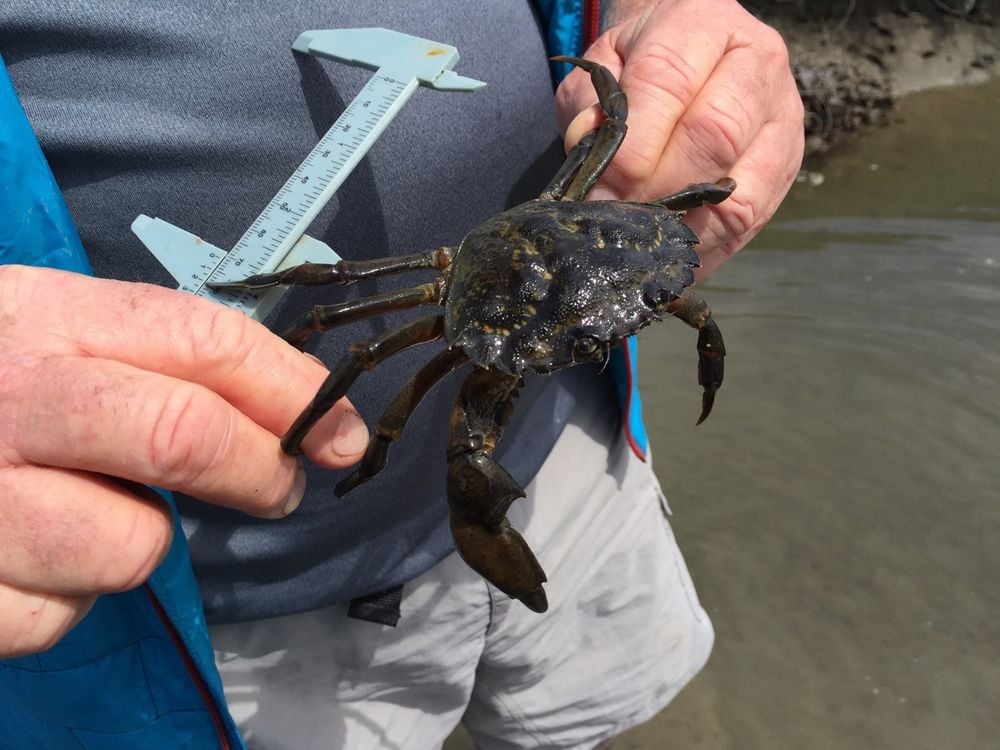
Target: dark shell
(549, 284)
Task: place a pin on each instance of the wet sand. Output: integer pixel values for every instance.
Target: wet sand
(854, 60)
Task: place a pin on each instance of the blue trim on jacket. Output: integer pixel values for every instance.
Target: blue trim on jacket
(564, 31)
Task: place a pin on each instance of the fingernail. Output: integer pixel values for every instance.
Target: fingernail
(601, 193)
(352, 435)
(297, 491)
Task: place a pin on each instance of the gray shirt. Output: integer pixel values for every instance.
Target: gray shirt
(197, 112)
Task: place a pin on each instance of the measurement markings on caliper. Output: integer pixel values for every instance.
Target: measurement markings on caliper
(277, 236)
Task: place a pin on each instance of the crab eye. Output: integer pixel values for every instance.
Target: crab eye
(656, 297)
(586, 345)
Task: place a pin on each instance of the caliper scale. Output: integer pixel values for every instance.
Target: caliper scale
(276, 239)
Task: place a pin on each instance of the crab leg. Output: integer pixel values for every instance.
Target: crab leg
(556, 189)
(391, 423)
(480, 491)
(610, 134)
(694, 311)
(343, 271)
(359, 358)
(325, 317)
(698, 194)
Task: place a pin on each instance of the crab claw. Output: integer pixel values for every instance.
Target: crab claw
(711, 360)
(707, 401)
(502, 558)
(479, 492)
(691, 308)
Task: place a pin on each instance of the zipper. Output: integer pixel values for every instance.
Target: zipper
(591, 22)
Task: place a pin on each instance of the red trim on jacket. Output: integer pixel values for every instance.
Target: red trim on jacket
(591, 22)
(192, 670)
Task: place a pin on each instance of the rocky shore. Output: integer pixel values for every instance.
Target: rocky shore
(854, 58)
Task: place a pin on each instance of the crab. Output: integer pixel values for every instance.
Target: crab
(551, 283)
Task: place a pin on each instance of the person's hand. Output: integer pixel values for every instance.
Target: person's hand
(710, 94)
(107, 386)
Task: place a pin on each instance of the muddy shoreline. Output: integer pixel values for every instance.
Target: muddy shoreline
(853, 59)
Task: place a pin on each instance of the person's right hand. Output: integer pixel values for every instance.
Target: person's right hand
(108, 386)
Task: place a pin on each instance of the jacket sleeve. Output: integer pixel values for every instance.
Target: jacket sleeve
(35, 225)
(92, 688)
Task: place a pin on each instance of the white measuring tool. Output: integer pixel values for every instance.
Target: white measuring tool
(276, 239)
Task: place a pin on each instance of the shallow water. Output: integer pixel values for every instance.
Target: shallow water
(840, 511)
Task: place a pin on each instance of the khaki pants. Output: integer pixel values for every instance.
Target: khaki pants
(623, 634)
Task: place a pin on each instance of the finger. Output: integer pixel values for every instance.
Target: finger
(191, 339)
(67, 532)
(106, 417)
(763, 177)
(696, 85)
(31, 622)
(662, 75)
(717, 129)
(740, 109)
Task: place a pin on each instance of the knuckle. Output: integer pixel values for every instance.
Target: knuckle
(798, 112)
(773, 46)
(722, 134)
(185, 433)
(766, 41)
(793, 111)
(740, 218)
(227, 337)
(663, 72)
(215, 337)
(19, 377)
(138, 553)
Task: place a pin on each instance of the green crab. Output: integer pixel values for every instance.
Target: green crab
(546, 285)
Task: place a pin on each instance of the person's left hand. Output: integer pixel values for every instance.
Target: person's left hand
(710, 94)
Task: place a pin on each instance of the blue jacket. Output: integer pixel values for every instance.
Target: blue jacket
(139, 671)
